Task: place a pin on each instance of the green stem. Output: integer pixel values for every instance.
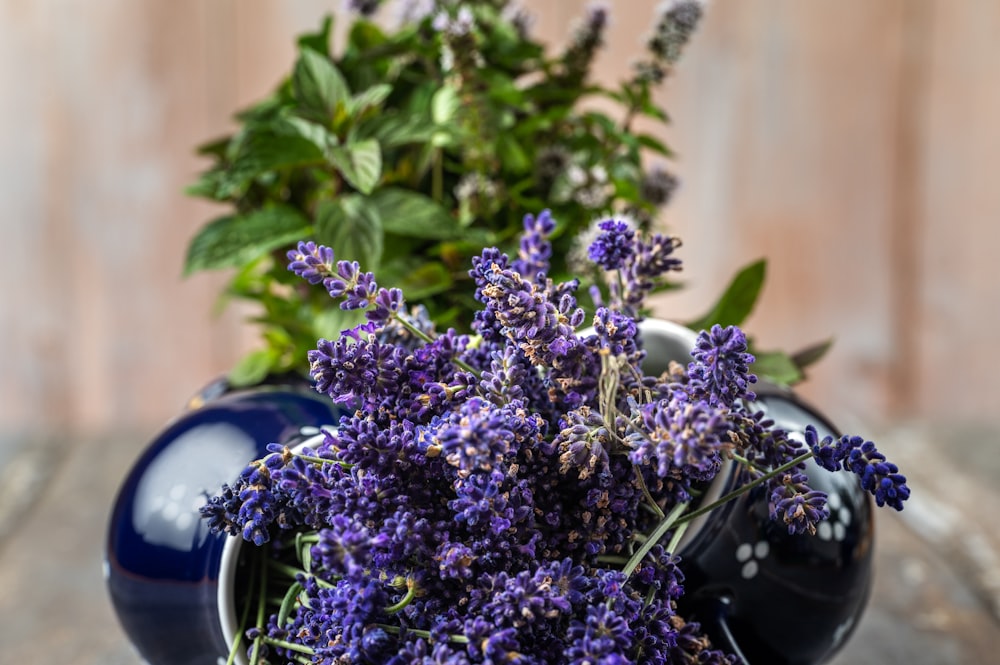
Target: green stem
(323, 460)
(411, 593)
(291, 646)
(427, 338)
(658, 533)
(426, 634)
(241, 629)
(645, 492)
(676, 539)
(261, 602)
(437, 184)
(288, 602)
(745, 488)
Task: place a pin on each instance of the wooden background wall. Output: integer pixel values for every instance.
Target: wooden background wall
(854, 143)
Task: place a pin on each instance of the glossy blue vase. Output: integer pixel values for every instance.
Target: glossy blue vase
(161, 563)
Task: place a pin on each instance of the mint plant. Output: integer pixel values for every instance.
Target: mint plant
(410, 149)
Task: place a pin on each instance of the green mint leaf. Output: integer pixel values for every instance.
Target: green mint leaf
(654, 144)
(444, 105)
(777, 367)
(373, 97)
(811, 354)
(413, 214)
(253, 368)
(738, 300)
(351, 226)
(318, 84)
(235, 240)
(394, 129)
(264, 152)
(360, 163)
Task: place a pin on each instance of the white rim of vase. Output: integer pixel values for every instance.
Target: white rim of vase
(225, 595)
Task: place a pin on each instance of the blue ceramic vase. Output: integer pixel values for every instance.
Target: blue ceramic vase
(162, 566)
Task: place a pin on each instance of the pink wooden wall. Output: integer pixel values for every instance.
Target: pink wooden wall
(853, 143)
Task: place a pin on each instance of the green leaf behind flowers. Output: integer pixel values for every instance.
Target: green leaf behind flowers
(737, 301)
(777, 367)
(360, 163)
(235, 240)
(410, 213)
(352, 229)
(318, 84)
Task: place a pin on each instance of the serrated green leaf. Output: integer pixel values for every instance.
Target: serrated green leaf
(811, 354)
(372, 97)
(777, 367)
(360, 163)
(235, 240)
(444, 105)
(395, 129)
(738, 300)
(318, 84)
(253, 368)
(351, 226)
(314, 132)
(263, 152)
(412, 214)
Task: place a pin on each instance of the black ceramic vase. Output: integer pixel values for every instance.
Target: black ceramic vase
(767, 596)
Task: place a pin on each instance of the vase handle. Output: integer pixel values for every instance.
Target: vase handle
(713, 614)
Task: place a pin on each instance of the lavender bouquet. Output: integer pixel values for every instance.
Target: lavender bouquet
(512, 495)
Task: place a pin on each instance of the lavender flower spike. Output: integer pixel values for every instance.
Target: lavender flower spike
(536, 250)
(343, 280)
(852, 453)
(720, 372)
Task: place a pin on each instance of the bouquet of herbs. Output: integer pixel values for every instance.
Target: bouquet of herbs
(415, 147)
(515, 494)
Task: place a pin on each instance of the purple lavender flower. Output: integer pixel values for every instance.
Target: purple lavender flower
(343, 279)
(349, 370)
(475, 438)
(681, 436)
(462, 515)
(720, 372)
(614, 246)
(796, 504)
(651, 259)
(852, 453)
(311, 262)
(536, 250)
(602, 637)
